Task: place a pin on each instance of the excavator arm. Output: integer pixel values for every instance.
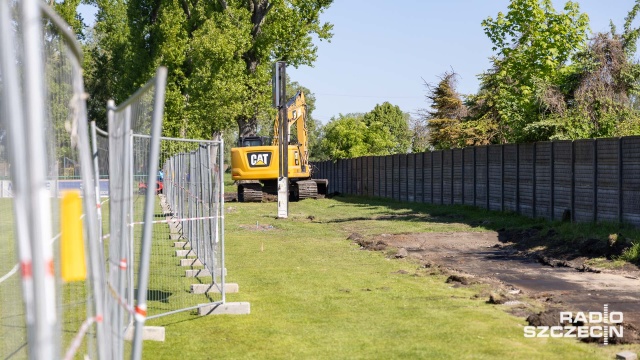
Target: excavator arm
(296, 117)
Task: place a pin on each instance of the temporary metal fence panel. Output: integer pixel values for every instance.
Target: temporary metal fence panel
(187, 267)
(128, 225)
(46, 137)
(13, 327)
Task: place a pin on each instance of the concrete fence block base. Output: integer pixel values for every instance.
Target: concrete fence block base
(151, 333)
(190, 262)
(210, 288)
(626, 355)
(185, 253)
(230, 308)
(201, 273)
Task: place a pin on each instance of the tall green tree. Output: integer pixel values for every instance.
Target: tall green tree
(382, 131)
(419, 128)
(68, 11)
(344, 137)
(387, 130)
(533, 43)
(595, 100)
(447, 110)
(218, 53)
(106, 51)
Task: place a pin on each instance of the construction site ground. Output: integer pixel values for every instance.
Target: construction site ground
(524, 276)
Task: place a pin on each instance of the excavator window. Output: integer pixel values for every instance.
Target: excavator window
(253, 141)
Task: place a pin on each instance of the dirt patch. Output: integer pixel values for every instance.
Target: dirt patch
(366, 243)
(515, 263)
(257, 227)
(462, 280)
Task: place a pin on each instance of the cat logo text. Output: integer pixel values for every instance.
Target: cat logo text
(259, 159)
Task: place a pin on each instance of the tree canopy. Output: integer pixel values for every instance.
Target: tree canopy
(548, 81)
(387, 130)
(382, 131)
(219, 55)
(344, 137)
(533, 42)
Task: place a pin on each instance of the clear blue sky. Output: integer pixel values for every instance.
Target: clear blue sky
(382, 49)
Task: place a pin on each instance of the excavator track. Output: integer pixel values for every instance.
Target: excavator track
(306, 189)
(250, 192)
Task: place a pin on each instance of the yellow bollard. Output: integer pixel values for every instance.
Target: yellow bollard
(73, 266)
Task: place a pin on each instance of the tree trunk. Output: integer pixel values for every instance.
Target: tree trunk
(247, 127)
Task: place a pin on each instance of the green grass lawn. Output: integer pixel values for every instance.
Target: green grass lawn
(316, 295)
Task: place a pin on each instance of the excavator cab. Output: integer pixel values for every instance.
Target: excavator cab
(247, 141)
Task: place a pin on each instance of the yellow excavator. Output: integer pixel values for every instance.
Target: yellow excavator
(254, 163)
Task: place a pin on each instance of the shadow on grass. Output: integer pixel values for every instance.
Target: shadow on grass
(156, 295)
